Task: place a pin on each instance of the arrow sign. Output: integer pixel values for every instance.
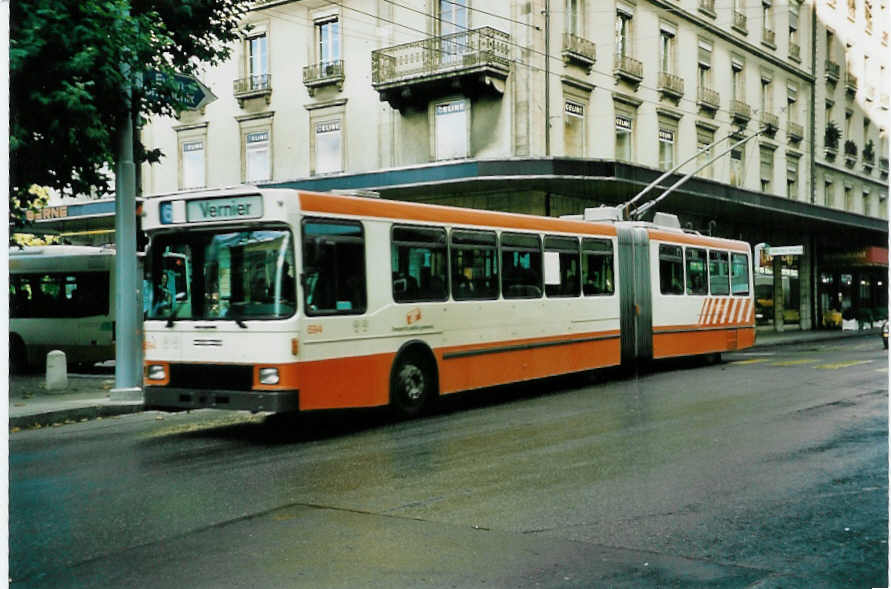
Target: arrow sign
(191, 93)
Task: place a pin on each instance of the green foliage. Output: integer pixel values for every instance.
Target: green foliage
(869, 153)
(832, 135)
(850, 148)
(67, 86)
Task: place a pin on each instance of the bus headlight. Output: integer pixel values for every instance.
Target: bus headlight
(157, 372)
(269, 376)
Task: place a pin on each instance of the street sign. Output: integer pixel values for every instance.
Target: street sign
(787, 250)
(192, 94)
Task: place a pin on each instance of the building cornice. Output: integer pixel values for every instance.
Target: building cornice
(849, 173)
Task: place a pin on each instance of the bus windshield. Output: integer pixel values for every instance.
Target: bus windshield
(228, 274)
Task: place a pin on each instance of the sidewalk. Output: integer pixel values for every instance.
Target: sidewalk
(88, 396)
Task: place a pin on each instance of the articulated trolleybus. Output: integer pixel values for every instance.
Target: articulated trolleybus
(283, 300)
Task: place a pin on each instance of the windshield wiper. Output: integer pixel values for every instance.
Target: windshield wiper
(236, 319)
(173, 315)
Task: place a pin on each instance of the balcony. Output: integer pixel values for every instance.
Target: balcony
(708, 7)
(833, 71)
(629, 69)
(740, 112)
(323, 74)
(671, 85)
(794, 51)
(794, 132)
(850, 153)
(708, 99)
(850, 83)
(770, 122)
(579, 51)
(739, 22)
(475, 62)
(769, 38)
(255, 86)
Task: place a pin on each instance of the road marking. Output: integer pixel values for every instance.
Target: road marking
(837, 365)
(885, 369)
(797, 362)
(750, 361)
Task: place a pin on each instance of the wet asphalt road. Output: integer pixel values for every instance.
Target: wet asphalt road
(767, 470)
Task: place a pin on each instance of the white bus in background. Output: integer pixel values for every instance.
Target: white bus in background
(61, 297)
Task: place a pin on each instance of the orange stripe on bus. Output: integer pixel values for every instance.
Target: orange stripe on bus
(688, 239)
(400, 210)
(667, 345)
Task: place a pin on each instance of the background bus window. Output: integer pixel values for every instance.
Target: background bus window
(718, 273)
(521, 266)
(671, 270)
(597, 267)
(562, 259)
(697, 272)
(739, 274)
(474, 265)
(419, 264)
(79, 294)
(333, 267)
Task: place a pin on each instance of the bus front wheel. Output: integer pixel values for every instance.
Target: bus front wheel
(412, 384)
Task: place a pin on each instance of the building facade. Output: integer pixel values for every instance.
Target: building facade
(552, 106)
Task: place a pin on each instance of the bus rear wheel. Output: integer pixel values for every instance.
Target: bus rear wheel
(411, 384)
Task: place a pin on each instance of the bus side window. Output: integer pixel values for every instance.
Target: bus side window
(333, 267)
(521, 272)
(474, 265)
(697, 272)
(718, 272)
(671, 269)
(419, 267)
(562, 263)
(739, 274)
(597, 267)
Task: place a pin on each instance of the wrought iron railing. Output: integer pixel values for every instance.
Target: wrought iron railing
(850, 82)
(320, 72)
(671, 83)
(794, 131)
(771, 121)
(833, 70)
(251, 84)
(435, 55)
(629, 67)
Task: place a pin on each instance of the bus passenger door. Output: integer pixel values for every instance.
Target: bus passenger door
(635, 298)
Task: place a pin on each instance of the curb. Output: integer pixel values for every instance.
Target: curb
(49, 418)
(830, 336)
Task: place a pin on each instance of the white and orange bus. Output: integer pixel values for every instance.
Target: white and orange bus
(303, 301)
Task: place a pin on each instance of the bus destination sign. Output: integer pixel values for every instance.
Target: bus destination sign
(225, 209)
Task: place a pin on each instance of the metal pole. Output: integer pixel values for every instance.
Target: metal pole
(127, 372)
(652, 184)
(643, 209)
(547, 70)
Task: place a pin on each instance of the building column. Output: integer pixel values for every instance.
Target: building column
(778, 295)
(806, 287)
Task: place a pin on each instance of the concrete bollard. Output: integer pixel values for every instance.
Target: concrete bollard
(56, 371)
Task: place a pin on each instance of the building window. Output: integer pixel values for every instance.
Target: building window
(867, 16)
(258, 163)
(452, 17)
(666, 49)
(574, 128)
(623, 34)
(574, 17)
(704, 138)
(739, 81)
(828, 192)
(867, 205)
(258, 61)
(737, 166)
(704, 59)
(450, 129)
(766, 169)
(666, 148)
(193, 167)
(329, 147)
(623, 137)
(793, 22)
(766, 95)
(792, 178)
(792, 104)
(849, 199)
(328, 34)
(767, 15)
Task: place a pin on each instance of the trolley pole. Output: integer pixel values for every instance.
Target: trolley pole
(127, 372)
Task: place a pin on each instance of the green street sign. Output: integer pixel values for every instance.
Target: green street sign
(191, 94)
